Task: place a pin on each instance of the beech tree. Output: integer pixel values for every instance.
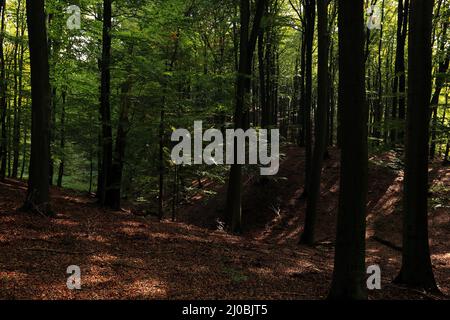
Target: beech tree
(3, 97)
(310, 20)
(399, 101)
(349, 262)
(38, 183)
(105, 196)
(248, 38)
(416, 269)
(320, 140)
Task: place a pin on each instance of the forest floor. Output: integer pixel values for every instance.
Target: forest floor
(124, 256)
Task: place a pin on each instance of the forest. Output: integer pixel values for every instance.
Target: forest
(126, 126)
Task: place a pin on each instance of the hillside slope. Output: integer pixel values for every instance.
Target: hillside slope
(123, 256)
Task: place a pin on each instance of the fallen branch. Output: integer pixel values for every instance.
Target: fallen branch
(387, 243)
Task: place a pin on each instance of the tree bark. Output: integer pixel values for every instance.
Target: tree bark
(120, 148)
(416, 268)
(320, 141)
(440, 81)
(301, 107)
(399, 91)
(247, 47)
(105, 107)
(378, 112)
(262, 82)
(310, 12)
(18, 69)
(62, 141)
(38, 196)
(3, 96)
(349, 262)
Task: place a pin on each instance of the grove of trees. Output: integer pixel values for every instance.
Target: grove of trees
(92, 107)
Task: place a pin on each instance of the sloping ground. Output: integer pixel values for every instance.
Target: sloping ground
(277, 207)
(123, 256)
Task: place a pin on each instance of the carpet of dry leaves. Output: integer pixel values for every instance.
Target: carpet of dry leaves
(124, 256)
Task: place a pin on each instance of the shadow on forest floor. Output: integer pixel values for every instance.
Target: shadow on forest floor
(123, 256)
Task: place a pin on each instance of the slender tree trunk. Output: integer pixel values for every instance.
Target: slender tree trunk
(446, 161)
(175, 194)
(416, 268)
(247, 47)
(378, 112)
(24, 147)
(24, 152)
(17, 91)
(398, 108)
(389, 83)
(3, 96)
(121, 140)
(234, 200)
(105, 107)
(310, 11)
(440, 82)
(262, 81)
(62, 142)
(349, 262)
(161, 158)
(38, 197)
(53, 52)
(301, 107)
(162, 123)
(321, 124)
(268, 73)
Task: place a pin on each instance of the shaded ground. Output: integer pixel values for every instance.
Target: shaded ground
(123, 256)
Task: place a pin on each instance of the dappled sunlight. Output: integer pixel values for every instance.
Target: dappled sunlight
(146, 289)
(123, 256)
(387, 203)
(76, 200)
(103, 257)
(443, 258)
(66, 223)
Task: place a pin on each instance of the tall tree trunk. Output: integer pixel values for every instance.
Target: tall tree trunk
(310, 12)
(247, 47)
(24, 152)
(162, 123)
(38, 198)
(17, 93)
(105, 107)
(321, 124)
(301, 106)
(234, 197)
(268, 73)
(378, 112)
(262, 82)
(389, 83)
(161, 195)
(332, 69)
(53, 51)
(416, 268)
(62, 142)
(446, 161)
(440, 81)
(349, 262)
(398, 107)
(121, 140)
(3, 96)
